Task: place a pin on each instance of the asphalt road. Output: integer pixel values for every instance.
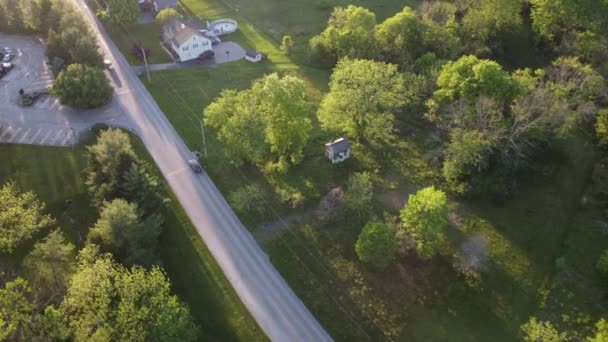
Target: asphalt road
(278, 311)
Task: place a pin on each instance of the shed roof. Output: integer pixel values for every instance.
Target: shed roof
(338, 145)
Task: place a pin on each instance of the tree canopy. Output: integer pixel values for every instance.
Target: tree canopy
(49, 264)
(349, 33)
(363, 98)
(21, 215)
(109, 160)
(425, 217)
(106, 301)
(267, 124)
(121, 230)
(376, 244)
(16, 311)
(82, 86)
(165, 15)
(400, 38)
(122, 13)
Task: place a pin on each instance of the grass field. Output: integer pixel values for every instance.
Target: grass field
(55, 175)
(148, 36)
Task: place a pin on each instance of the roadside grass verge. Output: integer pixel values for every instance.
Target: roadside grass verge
(55, 174)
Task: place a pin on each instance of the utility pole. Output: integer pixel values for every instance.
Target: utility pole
(143, 52)
(204, 142)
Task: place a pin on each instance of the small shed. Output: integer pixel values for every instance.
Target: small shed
(254, 56)
(338, 150)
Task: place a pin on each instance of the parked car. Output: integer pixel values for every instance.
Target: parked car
(195, 166)
(7, 65)
(8, 58)
(7, 50)
(207, 55)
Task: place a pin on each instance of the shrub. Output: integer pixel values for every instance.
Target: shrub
(286, 44)
(376, 244)
(249, 199)
(82, 86)
(602, 263)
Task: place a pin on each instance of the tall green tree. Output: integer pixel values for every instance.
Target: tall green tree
(140, 186)
(485, 20)
(363, 98)
(165, 15)
(376, 244)
(122, 13)
(109, 160)
(349, 33)
(49, 264)
(425, 217)
(268, 124)
(16, 311)
(441, 29)
(121, 230)
(534, 331)
(470, 77)
(82, 86)
(400, 38)
(467, 154)
(106, 301)
(21, 215)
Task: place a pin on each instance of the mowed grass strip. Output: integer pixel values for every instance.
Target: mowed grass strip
(56, 174)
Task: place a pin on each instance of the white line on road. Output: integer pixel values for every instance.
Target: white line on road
(36, 135)
(176, 171)
(14, 135)
(25, 134)
(57, 136)
(7, 130)
(45, 137)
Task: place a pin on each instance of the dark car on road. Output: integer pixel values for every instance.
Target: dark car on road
(195, 166)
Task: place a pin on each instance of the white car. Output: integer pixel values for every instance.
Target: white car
(108, 64)
(7, 65)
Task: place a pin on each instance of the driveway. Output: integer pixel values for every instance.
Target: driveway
(47, 122)
(225, 52)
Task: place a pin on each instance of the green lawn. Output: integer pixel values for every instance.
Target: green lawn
(56, 174)
(148, 35)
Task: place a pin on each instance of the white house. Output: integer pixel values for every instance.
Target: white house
(186, 42)
(338, 150)
(254, 56)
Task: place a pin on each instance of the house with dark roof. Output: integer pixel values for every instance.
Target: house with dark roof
(185, 40)
(338, 150)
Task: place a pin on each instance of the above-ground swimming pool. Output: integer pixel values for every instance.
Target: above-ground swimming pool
(222, 26)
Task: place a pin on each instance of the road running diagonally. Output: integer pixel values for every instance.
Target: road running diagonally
(271, 302)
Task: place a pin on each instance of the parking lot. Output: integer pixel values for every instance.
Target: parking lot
(47, 122)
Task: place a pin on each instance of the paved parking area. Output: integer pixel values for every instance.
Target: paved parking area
(47, 122)
(51, 136)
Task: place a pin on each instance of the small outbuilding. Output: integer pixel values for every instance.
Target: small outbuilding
(338, 150)
(254, 56)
